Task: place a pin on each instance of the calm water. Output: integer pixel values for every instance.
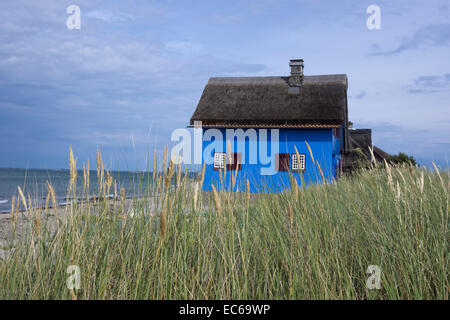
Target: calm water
(33, 181)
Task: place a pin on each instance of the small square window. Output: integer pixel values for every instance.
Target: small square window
(219, 160)
(298, 164)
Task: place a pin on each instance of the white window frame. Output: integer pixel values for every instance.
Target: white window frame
(295, 166)
(219, 160)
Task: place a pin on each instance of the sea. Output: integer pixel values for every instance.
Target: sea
(34, 183)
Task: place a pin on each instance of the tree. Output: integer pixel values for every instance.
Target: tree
(401, 158)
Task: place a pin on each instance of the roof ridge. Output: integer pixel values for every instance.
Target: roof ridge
(306, 76)
(277, 80)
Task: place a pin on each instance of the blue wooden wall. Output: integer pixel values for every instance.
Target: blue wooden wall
(325, 143)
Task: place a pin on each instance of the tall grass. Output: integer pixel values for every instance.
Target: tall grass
(181, 243)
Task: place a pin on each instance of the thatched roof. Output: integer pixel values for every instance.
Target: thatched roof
(266, 100)
(362, 139)
(380, 154)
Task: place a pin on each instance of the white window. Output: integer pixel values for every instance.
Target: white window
(298, 164)
(219, 160)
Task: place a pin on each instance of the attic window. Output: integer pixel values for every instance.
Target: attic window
(298, 164)
(294, 90)
(219, 160)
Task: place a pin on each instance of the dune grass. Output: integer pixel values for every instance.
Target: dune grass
(312, 243)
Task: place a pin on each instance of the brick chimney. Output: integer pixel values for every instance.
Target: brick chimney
(296, 77)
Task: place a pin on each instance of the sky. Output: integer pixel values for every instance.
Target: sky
(134, 71)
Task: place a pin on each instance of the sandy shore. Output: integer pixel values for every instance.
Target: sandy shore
(13, 228)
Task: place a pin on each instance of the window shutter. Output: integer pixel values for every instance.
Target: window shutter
(282, 161)
(236, 161)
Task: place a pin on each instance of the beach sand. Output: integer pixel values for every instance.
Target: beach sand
(14, 228)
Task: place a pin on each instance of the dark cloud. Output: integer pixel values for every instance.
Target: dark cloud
(107, 83)
(426, 79)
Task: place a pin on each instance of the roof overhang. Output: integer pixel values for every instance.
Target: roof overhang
(265, 125)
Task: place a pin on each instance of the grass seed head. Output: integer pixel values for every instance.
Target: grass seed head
(203, 173)
(52, 193)
(195, 195)
(13, 203)
(73, 170)
(290, 216)
(164, 158)
(22, 197)
(154, 165)
(216, 200)
(122, 194)
(310, 151)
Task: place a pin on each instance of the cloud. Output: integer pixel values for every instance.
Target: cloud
(436, 35)
(360, 95)
(427, 79)
(430, 84)
(63, 87)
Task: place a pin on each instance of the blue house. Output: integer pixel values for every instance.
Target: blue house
(271, 130)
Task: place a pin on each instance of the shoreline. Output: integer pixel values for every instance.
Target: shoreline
(68, 202)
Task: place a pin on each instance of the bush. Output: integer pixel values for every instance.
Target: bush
(402, 158)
